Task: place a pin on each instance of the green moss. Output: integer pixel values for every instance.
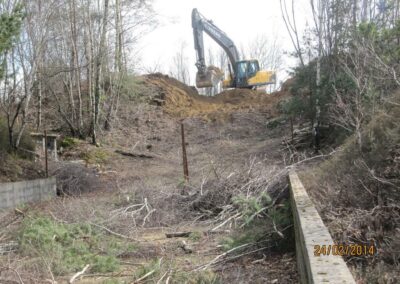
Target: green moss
(68, 142)
(96, 156)
(195, 236)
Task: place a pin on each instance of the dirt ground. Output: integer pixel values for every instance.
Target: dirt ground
(216, 149)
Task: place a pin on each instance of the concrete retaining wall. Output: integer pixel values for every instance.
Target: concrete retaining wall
(311, 231)
(16, 193)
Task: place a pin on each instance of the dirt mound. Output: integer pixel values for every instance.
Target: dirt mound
(181, 100)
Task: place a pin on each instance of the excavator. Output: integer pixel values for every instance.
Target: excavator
(242, 73)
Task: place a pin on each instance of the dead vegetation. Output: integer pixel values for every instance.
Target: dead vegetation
(129, 221)
(74, 178)
(357, 192)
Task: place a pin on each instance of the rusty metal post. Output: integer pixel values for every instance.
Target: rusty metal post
(184, 156)
(45, 153)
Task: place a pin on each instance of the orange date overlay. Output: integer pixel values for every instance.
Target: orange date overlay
(344, 250)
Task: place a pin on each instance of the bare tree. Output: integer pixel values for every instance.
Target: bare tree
(180, 65)
(289, 19)
(69, 52)
(267, 51)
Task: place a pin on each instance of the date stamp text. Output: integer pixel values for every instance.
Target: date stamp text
(345, 250)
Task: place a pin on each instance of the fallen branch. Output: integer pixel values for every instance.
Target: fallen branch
(133, 155)
(226, 221)
(240, 255)
(112, 232)
(178, 235)
(312, 158)
(215, 260)
(162, 277)
(185, 247)
(15, 271)
(75, 276)
(144, 276)
(259, 260)
(147, 216)
(12, 221)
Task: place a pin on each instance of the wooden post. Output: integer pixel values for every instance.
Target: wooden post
(291, 128)
(45, 153)
(55, 148)
(184, 156)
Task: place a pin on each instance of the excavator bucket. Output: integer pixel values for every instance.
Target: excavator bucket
(210, 78)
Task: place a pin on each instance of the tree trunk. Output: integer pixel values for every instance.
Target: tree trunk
(99, 62)
(321, 11)
(76, 63)
(39, 110)
(118, 69)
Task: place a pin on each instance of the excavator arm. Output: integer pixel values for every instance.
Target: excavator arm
(209, 76)
(243, 73)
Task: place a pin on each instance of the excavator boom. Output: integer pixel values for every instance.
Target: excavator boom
(210, 76)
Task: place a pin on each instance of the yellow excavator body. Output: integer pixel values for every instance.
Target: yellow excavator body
(262, 78)
(249, 79)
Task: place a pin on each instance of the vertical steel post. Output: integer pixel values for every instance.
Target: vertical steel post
(184, 156)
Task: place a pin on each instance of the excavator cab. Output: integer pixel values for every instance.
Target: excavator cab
(244, 70)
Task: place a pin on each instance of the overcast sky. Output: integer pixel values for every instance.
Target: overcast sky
(241, 20)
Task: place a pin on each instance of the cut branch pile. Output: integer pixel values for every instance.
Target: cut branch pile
(214, 201)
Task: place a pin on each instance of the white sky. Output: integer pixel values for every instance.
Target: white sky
(240, 20)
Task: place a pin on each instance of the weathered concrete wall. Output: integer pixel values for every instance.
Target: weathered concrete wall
(15, 193)
(310, 231)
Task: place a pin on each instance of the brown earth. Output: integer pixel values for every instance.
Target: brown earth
(180, 100)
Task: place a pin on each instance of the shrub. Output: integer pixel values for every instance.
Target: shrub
(68, 142)
(4, 144)
(96, 156)
(26, 142)
(69, 247)
(262, 221)
(252, 205)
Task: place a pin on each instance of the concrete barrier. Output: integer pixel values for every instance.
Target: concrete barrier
(16, 193)
(310, 231)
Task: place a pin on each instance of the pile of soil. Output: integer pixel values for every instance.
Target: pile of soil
(181, 100)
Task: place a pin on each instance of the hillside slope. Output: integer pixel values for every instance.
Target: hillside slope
(358, 193)
(129, 192)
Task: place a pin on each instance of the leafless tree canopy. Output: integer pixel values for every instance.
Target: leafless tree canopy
(68, 56)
